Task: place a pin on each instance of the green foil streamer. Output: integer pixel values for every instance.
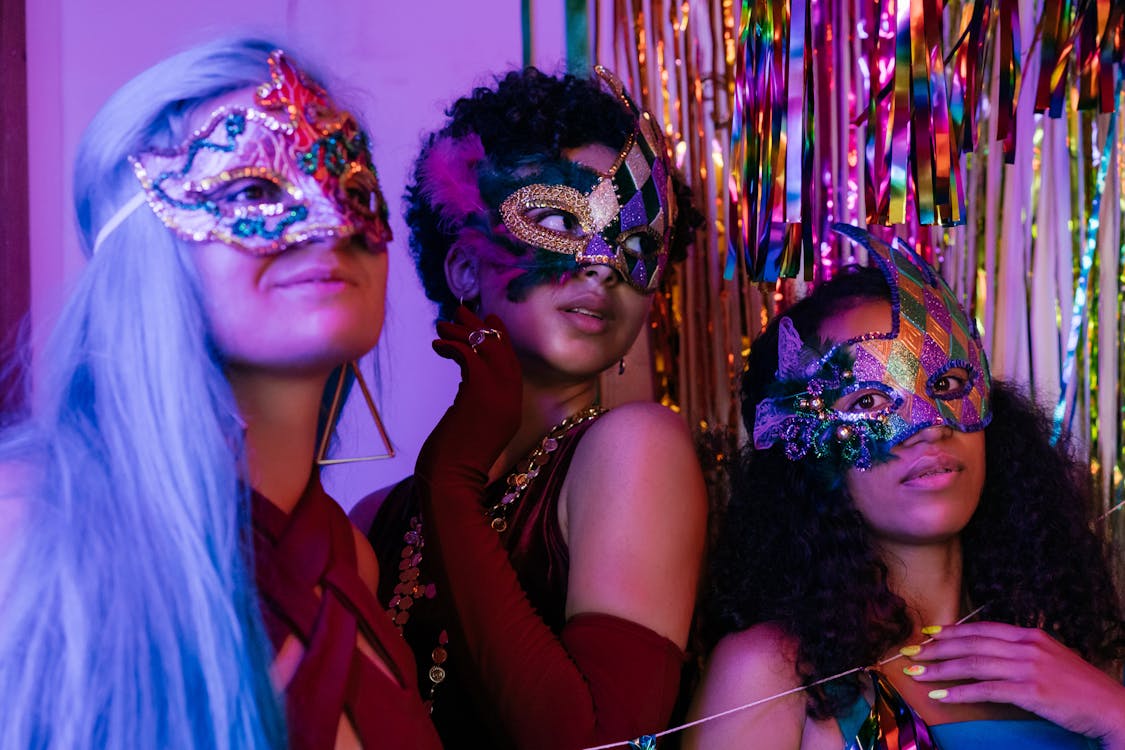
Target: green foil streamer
(525, 32)
(578, 37)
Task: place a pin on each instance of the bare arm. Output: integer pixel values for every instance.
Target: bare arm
(636, 537)
(745, 667)
(634, 511)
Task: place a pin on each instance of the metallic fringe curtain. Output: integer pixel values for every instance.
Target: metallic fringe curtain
(985, 133)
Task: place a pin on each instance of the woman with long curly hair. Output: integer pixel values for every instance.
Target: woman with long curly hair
(892, 490)
(543, 562)
(172, 574)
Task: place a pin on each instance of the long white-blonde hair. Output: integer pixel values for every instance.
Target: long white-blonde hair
(131, 619)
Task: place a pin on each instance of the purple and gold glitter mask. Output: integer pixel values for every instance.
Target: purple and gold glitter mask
(624, 222)
(260, 179)
(930, 367)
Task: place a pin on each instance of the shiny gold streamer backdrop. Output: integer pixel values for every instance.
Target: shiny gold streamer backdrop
(677, 59)
(1015, 260)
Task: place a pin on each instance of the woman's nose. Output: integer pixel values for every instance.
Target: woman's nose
(931, 433)
(601, 273)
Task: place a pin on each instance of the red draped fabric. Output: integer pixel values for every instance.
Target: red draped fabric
(310, 588)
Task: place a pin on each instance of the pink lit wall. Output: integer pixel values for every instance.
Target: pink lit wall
(401, 63)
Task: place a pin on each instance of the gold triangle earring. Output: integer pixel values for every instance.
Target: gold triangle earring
(334, 415)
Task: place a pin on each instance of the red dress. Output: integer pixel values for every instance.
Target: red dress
(311, 550)
(410, 584)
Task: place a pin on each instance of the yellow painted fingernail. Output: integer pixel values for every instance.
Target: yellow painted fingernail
(939, 695)
(931, 630)
(910, 650)
(914, 670)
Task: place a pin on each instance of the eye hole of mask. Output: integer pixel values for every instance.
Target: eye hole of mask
(557, 220)
(956, 382)
(865, 401)
(521, 212)
(640, 244)
(246, 192)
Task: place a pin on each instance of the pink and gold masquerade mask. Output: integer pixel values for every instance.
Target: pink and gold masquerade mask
(930, 367)
(624, 221)
(292, 168)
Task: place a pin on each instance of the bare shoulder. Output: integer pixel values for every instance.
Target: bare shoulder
(762, 656)
(362, 515)
(639, 441)
(638, 453)
(641, 420)
(367, 565)
(747, 666)
(363, 512)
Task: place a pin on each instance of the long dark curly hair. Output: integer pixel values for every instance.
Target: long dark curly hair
(528, 117)
(793, 550)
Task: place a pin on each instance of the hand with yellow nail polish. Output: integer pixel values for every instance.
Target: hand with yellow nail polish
(1024, 667)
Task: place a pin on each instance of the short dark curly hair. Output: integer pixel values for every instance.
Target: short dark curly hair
(527, 117)
(793, 549)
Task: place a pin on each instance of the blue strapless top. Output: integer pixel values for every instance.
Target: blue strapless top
(1025, 734)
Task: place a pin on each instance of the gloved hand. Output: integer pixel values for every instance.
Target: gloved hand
(486, 412)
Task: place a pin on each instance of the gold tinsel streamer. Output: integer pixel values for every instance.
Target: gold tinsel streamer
(676, 58)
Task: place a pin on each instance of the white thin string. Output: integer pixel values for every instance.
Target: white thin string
(121, 215)
(760, 701)
(1106, 515)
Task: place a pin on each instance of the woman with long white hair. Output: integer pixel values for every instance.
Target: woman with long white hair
(173, 574)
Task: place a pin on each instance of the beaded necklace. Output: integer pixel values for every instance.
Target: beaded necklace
(528, 469)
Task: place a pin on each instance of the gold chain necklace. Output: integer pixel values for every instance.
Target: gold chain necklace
(519, 480)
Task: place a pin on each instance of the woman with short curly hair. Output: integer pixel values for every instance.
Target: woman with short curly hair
(891, 490)
(543, 562)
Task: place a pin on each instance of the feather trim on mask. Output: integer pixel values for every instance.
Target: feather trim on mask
(527, 267)
(542, 267)
(482, 244)
(448, 177)
(797, 411)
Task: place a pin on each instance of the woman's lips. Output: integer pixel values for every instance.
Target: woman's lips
(932, 471)
(328, 278)
(585, 311)
(585, 320)
(589, 313)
